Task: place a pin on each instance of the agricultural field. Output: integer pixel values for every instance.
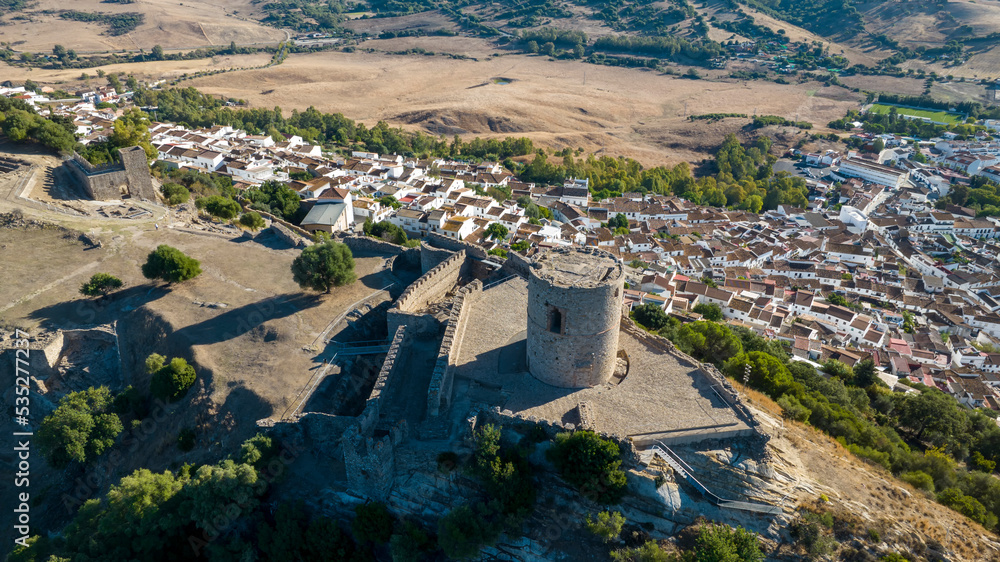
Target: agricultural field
(936, 116)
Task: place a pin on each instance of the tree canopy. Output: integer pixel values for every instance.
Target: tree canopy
(81, 428)
(100, 284)
(324, 266)
(170, 265)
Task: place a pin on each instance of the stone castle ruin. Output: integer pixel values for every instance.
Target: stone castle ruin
(540, 340)
(127, 179)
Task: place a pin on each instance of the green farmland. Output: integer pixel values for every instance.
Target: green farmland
(937, 116)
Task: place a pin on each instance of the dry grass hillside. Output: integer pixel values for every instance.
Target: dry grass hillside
(611, 110)
(168, 23)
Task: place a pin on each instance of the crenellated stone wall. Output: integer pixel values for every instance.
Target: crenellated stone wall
(439, 389)
(431, 257)
(394, 359)
(433, 285)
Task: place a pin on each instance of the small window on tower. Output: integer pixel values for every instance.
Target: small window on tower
(555, 320)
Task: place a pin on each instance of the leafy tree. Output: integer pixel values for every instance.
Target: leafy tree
(390, 201)
(618, 221)
(932, 410)
(607, 526)
(410, 544)
(171, 265)
(591, 463)
(324, 266)
(650, 316)
(708, 341)
(722, 543)
(213, 488)
(221, 207)
(838, 369)
(292, 536)
(277, 198)
(496, 231)
(372, 523)
(463, 531)
(709, 311)
(172, 381)
(767, 374)
(864, 374)
(157, 52)
(81, 428)
(385, 230)
(100, 284)
(252, 220)
(175, 193)
(648, 552)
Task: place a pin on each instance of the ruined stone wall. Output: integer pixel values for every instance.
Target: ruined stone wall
(137, 177)
(516, 264)
(495, 415)
(433, 285)
(439, 389)
(367, 244)
(445, 243)
(287, 235)
(371, 463)
(431, 257)
(105, 182)
(394, 360)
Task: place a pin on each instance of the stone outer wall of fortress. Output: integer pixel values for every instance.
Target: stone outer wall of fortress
(585, 353)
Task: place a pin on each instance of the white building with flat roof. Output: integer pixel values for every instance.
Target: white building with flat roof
(874, 173)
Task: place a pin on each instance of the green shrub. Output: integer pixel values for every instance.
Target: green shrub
(170, 265)
(100, 284)
(372, 523)
(464, 531)
(185, 439)
(792, 409)
(221, 207)
(919, 480)
(80, 429)
(591, 463)
(724, 543)
(607, 526)
(172, 381)
(175, 193)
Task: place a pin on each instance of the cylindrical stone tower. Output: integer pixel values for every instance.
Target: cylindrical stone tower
(574, 311)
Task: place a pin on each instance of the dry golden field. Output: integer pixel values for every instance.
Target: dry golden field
(631, 112)
(169, 23)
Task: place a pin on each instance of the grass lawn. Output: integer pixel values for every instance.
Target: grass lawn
(940, 116)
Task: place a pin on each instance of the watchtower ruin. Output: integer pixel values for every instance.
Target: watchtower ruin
(574, 314)
(129, 178)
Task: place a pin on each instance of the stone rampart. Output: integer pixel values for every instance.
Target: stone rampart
(371, 463)
(367, 244)
(445, 243)
(288, 235)
(111, 181)
(516, 264)
(433, 285)
(394, 360)
(439, 389)
(495, 415)
(431, 257)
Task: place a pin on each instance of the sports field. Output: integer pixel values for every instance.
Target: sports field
(936, 116)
